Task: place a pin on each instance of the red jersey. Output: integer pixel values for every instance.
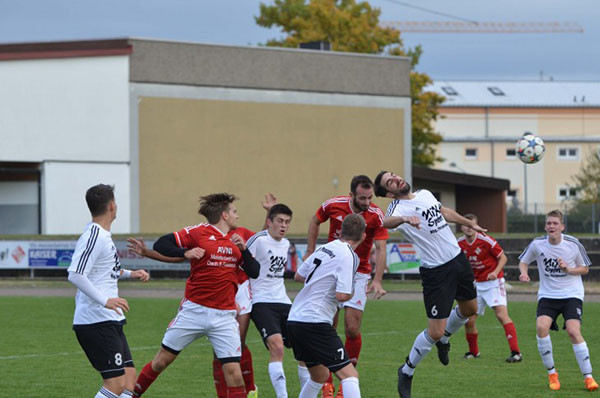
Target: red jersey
(245, 234)
(336, 209)
(483, 254)
(213, 279)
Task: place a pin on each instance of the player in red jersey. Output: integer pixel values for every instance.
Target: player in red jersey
(208, 308)
(243, 300)
(335, 210)
(487, 259)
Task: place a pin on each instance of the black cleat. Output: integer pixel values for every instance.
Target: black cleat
(404, 383)
(470, 355)
(443, 350)
(514, 357)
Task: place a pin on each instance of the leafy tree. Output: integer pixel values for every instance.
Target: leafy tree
(587, 180)
(354, 27)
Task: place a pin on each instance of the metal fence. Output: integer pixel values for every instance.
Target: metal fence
(579, 217)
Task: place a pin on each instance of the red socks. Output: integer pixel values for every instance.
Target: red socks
(219, 379)
(236, 392)
(144, 380)
(353, 346)
(247, 369)
(472, 340)
(511, 336)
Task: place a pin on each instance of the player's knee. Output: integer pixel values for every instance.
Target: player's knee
(353, 330)
(116, 384)
(276, 351)
(435, 334)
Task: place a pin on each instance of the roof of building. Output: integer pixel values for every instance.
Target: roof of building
(518, 94)
(453, 178)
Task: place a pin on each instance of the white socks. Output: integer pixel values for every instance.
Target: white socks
(126, 394)
(278, 379)
(455, 322)
(311, 389)
(583, 358)
(351, 388)
(104, 393)
(303, 375)
(545, 348)
(419, 350)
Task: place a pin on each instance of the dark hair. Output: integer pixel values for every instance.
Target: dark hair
(470, 216)
(212, 206)
(353, 227)
(556, 213)
(379, 189)
(98, 197)
(279, 208)
(360, 181)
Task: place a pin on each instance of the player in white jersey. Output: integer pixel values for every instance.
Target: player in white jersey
(270, 302)
(328, 276)
(561, 260)
(98, 321)
(445, 272)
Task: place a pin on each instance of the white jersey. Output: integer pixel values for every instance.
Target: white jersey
(435, 242)
(330, 269)
(271, 254)
(554, 283)
(96, 257)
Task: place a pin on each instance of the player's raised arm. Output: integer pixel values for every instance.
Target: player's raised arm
(269, 201)
(453, 217)
(376, 285)
(139, 247)
(167, 246)
(313, 233)
(391, 222)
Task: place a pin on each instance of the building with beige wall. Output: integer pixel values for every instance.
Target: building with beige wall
(168, 121)
(482, 121)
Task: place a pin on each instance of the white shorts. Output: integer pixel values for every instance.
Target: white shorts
(243, 298)
(195, 320)
(359, 299)
(491, 296)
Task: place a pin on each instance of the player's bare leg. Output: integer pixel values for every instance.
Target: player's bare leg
(582, 354)
(471, 336)
(349, 381)
(276, 373)
(510, 331)
(234, 380)
(457, 319)
(543, 323)
(115, 385)
(318, 376)
(152, 369)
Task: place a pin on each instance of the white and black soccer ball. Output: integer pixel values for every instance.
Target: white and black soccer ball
(530, 148)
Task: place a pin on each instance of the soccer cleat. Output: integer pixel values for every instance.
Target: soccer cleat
(590, 383)
(340, 392)
(404, 383)
(443, 350)
(470, 355)
(253, 393)
(553, 382)
(327, 390)
(514, 357)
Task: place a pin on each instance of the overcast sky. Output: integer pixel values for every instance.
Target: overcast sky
(446, 56)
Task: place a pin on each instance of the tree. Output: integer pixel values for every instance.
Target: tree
(354, 27)
(587, 180)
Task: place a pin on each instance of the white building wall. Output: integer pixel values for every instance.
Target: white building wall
(64, 184)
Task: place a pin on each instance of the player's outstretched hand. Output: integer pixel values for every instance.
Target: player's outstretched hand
(141, 275)
(377, 289)
(306, 255)
(117, 304)
(194, 254)
(270, 201)
(238, 241)
(524, 278)
(413, 221)
(477, 228)
(137, 246)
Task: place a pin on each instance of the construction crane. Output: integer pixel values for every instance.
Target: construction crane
(483, 27)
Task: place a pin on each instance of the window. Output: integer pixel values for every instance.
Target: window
(566, 192)
(511, 193)
(449, 90)
(471, 153)
(511, 153)
(565, 153)
(496, 91)
(19, 198)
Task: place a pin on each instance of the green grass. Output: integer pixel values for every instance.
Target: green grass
(40, 357)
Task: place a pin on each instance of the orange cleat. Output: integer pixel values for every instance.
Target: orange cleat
(327, 390)
(590, 383)
(340, 392)
(553, 382)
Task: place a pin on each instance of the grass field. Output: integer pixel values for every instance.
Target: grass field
(40, 357)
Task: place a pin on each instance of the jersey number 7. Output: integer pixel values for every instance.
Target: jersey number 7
(316, 262)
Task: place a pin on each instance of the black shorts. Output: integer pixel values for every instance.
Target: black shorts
(570, 308)
(443, 284)
(317, 344)
(270, 319)
(106, 347)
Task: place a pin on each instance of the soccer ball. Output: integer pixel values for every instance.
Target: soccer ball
(530, 148)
